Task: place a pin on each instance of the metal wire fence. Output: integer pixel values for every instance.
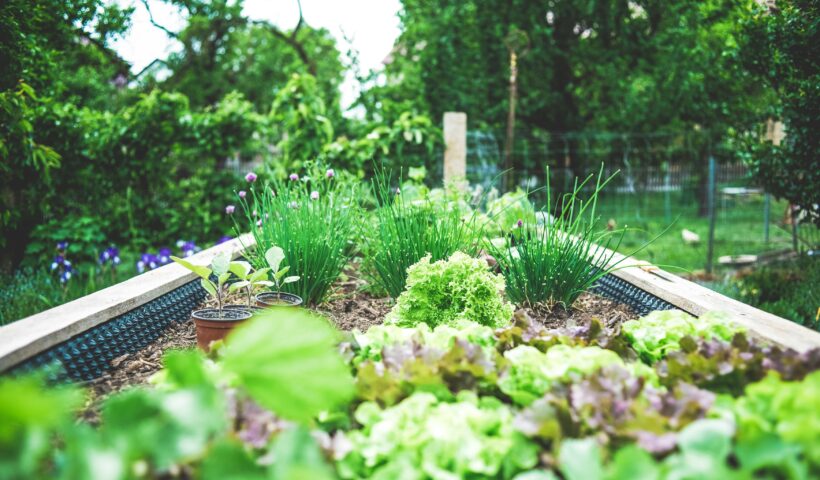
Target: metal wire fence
(696, 202)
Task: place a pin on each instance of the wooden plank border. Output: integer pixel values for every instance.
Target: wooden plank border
(697, 300)
(32, 335)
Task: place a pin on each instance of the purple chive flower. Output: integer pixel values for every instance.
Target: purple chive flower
(520, 223)
(250, 177)
(398, 191)
(242, 193)
(294, 177)
(259, 223)
(62, 245)
(330, 173)
(230, 209)
(293, 204)
(314, 195)
(255, 213)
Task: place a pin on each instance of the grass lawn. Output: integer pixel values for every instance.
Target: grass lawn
(739, 228)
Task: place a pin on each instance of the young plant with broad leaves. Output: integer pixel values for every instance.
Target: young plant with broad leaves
(249, 279)
(274, 257)
(219, 267)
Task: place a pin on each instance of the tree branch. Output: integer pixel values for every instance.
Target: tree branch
(123, 67)
(291, 39)
(154, 23)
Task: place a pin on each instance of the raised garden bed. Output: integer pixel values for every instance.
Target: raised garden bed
(557, 392)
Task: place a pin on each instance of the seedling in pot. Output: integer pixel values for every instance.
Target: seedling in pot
(219, 267)
(274, 257)
(249, 279)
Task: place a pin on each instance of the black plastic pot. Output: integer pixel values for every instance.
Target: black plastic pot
(211, 324)
(278, 299)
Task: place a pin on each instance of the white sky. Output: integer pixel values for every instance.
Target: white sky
(372, 25)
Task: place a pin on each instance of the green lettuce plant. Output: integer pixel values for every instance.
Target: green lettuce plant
(532, 372)
(422, 437)
(655, 335)
(444, 292)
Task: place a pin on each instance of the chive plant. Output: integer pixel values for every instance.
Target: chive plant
(554, 263)
(407, 231)
(312, 221)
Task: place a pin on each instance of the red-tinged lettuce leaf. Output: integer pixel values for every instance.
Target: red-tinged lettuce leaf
(408, 367)
(617, 408)
(728, 367)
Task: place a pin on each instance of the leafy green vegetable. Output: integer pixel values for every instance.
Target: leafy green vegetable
(532, 372)
(286, 360)
(422, 437)
(442, 337)
(785, 409)
(660, 332)
(728, 367)
(444, 292)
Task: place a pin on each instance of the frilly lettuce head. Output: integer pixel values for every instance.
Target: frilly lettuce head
(532, 372)
(441, 338)
(422, 437)
(447, 291)
(660, 332)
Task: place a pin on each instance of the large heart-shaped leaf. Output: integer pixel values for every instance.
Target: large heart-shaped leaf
(240, 268)
(274, 256)
(221, 263)
(286, 359)
(200, 270)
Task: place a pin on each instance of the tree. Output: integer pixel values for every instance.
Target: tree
(783, 47)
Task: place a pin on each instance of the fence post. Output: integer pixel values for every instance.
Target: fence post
(767, 208)
(455, 145)
(710, 199)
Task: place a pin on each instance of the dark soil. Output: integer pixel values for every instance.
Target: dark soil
(587, 307)
(349, 307)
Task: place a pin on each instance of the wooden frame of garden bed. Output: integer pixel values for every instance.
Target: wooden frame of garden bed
(38, 333)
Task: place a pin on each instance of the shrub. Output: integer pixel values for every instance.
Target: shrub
(446, 291)
(405, 232)
(312, 220)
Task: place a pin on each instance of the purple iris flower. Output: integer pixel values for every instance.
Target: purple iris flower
(164, 255)
(189, 248)
(223, 239)
(110, 254)
(62, 245)
(58, 261)
(250, 177)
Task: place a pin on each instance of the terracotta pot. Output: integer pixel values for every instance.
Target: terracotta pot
(278, 299)
(211, 325)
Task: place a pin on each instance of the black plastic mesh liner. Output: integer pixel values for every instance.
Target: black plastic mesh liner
(88, 355)
(624, 292)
